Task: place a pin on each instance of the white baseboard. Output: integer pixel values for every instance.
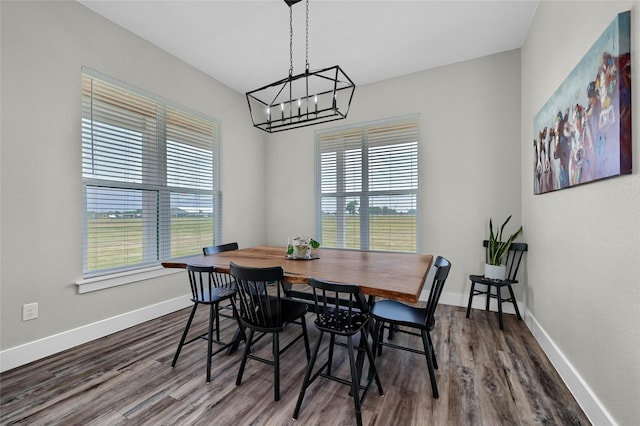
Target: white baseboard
(32, 351)
(591, 405)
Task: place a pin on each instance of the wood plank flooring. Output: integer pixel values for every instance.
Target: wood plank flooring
(485, 377)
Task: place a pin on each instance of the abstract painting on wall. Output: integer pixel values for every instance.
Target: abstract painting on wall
(583, 132)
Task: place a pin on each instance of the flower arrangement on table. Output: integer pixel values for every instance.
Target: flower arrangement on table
(300, 247)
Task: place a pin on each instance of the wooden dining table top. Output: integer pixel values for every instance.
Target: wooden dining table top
(398, 276)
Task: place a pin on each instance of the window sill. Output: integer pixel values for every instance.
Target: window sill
(122, 278)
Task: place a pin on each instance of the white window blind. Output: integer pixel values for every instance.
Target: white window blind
(150, 178)
(368, 186)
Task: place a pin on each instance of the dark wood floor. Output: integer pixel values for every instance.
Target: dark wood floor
(486, 377)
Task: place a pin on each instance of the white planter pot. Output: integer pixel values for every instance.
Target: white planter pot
(495, 272)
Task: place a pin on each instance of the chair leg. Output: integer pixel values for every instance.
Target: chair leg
(392, 328)
(184, 335)
(307, 376)
(499, 297)
(433, 351)
(305, 337)
(239, 335)
(217, 306)
(354, 380)
(372, 365)
(247, 349)
(360, 354)
(378, 336)
(486, 308)
(212, 318)
(276, 366)
(473, 286)
(332, 341)
(515, 304)
(432, 373)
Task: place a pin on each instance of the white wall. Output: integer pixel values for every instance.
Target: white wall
(469, 158)
(44, 45)
(583, 268)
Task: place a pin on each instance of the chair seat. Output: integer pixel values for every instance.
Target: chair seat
(217, 294)
(292, 310)
(399, 313)
(481, 279)
(341, 322)
(289, 312)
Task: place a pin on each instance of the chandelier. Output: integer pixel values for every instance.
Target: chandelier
(312, 97)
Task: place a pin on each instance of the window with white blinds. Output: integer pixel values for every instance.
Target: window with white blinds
(368, 186)
(150, 178)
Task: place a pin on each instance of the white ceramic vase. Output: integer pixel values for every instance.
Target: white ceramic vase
(301, 251)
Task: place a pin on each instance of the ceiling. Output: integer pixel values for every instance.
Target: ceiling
(245, 44)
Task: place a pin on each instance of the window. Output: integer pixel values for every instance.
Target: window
(150, 178)
(368, 186)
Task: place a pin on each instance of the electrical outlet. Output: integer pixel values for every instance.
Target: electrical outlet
(29, 311)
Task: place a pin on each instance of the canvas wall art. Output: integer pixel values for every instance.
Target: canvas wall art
(583, 132)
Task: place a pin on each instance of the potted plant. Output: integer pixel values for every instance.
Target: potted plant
(301, 247)
(496, 250)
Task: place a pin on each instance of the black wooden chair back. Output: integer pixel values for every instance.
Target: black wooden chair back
(443, 266)
(259, 309)
(339, 308)
(220, 248)
(208, 285)
(513, 258)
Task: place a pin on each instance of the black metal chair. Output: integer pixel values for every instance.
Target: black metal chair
(266, 313)
(514, 257)
(208, 287)
(398, 315)
(340, 311)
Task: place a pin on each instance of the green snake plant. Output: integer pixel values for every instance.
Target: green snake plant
(498, 248)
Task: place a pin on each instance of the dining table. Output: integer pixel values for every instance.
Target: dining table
(390, 275)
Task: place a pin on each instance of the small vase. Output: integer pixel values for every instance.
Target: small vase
(495, 272)
(301, 251)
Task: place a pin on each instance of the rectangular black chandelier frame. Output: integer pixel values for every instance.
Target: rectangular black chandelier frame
(301, 100)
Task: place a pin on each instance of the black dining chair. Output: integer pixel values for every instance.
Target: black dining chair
(266, 312)
(512, 262)
(416, 321)
(340, 311)
(209, 250)
(208, 287)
